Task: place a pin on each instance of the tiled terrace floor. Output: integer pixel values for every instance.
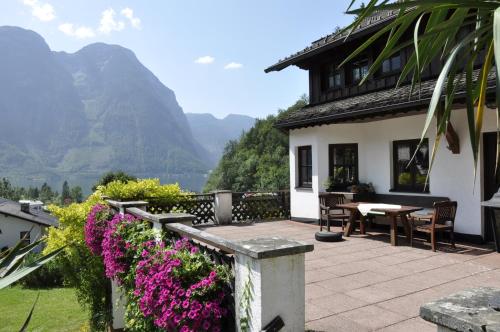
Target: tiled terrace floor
(364, 284)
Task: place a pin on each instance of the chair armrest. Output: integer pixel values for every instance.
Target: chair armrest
(324, 208)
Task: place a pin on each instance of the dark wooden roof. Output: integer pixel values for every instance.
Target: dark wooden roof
(369, 105)
(330, 41)
(13, 209)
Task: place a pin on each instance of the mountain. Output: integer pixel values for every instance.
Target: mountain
(76, 116)
(213, 134)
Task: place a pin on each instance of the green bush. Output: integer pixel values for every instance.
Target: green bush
(49, 275)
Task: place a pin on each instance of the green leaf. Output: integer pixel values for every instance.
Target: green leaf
(496, 41)
(28, 319)
(20, 273)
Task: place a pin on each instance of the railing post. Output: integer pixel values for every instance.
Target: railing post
(122, 206)
(270, 282)
(223, 207)
(118, 298)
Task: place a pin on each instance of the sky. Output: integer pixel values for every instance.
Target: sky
(212, 54)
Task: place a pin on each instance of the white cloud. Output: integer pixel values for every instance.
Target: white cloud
(233, 65)
(79, 32)
(134, 21)
(108, 22)
(205, 60)
(43, 11)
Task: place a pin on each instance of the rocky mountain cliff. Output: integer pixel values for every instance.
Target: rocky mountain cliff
(76, 116)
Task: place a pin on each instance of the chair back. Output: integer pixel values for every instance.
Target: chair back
(444, 212)
(331, 200)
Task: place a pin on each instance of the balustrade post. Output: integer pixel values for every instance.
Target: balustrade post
(223, 207)
(270, 282)
(118, 298)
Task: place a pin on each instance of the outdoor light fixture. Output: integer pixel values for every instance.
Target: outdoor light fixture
(494, 205)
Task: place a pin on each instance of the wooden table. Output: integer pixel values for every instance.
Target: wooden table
(402, 212)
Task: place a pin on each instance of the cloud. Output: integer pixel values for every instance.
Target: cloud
(43, 11)
(134, 21)
(108, 22)
(233, 65)
(80, 32)
(205, 60)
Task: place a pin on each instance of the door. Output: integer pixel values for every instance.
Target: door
(491, 181)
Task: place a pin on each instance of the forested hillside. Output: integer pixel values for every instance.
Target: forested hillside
(258, 160)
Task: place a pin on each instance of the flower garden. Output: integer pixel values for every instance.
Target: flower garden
(169, 284)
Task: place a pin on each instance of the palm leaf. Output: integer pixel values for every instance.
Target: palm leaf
(25, 270)
(28, 319)
(496, 41)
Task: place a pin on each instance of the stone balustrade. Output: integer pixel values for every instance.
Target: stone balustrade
(272, 269)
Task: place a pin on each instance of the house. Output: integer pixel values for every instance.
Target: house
(368, 133)
(24, 219)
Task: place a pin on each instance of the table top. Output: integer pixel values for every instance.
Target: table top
(403, 210)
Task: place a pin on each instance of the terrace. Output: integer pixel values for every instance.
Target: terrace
(365, 284)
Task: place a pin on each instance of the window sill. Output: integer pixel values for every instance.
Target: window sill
(304, 189)
(409, 191)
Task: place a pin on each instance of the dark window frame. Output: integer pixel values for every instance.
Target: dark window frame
(330, 70)
(357, 66)
(392, 69)
(413, 187)
(332, 164)
(304, 165)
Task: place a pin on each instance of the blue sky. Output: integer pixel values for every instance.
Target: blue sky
(233, 42)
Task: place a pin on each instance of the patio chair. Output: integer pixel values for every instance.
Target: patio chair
(443, 220)
(329, 211)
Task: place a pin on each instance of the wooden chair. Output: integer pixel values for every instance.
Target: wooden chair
(329, 211)
(443, 220)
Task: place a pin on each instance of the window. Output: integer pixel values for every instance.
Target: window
(359, 70)
(26, 240)
(392, 64)
(305, 166)
(332, 78)
(343, 168)
(410, 177)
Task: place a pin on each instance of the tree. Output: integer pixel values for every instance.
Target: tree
(458, 31)
(65, 194)
(113, 176)
(46, 194)
(76, 194)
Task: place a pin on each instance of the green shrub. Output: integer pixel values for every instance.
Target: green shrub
(49, 275)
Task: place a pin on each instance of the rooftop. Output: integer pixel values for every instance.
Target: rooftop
(370, 105)
(12, 208)
(365, 284)
(334, 39)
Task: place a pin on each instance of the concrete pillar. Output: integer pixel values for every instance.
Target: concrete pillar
(119, 301)
(223, 207)
(273, 271)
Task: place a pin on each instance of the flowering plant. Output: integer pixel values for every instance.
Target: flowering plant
(95, 226)
(180, 288)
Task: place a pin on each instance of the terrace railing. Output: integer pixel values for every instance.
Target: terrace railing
(199, 205)
(260, 205)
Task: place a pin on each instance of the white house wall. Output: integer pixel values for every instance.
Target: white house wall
(12, 227)
(452, 175)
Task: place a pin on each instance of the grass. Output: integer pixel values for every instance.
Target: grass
(57, 310)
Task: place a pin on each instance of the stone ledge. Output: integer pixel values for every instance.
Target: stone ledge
(468, 310)
(163, 218)
(270, 247)
(126, 204)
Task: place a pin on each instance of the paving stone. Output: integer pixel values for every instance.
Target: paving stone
(373, 317)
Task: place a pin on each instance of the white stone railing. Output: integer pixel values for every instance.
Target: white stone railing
(272, 269)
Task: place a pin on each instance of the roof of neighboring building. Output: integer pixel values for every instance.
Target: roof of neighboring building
(13, 209)
(370, 105)
(334, 39)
